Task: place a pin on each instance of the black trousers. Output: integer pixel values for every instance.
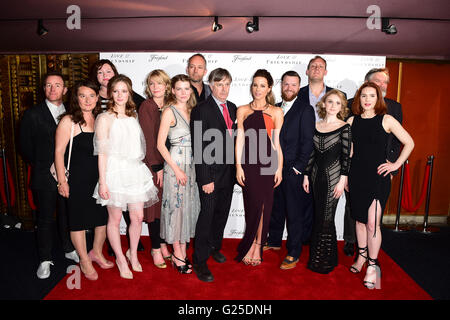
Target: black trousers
(349, 222)
(211, 222)
(155, 230)
(47, 202)
(293, 206)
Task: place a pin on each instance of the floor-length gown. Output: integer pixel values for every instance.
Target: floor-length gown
(259, 165)
(180, 204)
(369, 151)
(329, 160)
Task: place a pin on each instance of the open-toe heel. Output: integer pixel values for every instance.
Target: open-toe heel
(184, 269)
(361, 252)
(377, 284)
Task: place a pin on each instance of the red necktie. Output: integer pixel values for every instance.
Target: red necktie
(226, 116)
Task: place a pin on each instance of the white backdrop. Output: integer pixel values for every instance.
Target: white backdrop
(345, 72)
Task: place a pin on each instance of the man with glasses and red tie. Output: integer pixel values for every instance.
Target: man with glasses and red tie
(212, 125)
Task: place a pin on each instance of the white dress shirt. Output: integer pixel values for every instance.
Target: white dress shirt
(55, 110)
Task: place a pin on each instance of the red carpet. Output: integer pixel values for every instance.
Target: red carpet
(235, 281)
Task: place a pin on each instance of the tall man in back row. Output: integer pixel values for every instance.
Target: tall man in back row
(212, 125)
(196, 70)
(381, 78)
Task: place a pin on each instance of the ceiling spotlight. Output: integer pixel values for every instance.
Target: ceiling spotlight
(41, 30)
(216, 26)
(388, 28)
(252, 26)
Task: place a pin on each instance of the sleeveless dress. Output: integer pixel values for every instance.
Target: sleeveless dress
(329, 160)
(369, 151)
(259, 164)
(128, 179)
(82, 210)
(180, 204)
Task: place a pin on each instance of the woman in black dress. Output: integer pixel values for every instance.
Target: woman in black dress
(83, 212)
(328, 168)
(369, 179)
(259, 168)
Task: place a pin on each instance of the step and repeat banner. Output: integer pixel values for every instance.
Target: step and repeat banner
(344, 72)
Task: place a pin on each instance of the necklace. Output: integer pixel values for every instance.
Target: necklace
(263, 108)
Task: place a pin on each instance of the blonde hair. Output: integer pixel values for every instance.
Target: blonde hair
(161, 74)
(192, 102)
(321, 110)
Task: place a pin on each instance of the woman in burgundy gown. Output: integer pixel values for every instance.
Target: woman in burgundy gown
(158, 91)
(259, 163)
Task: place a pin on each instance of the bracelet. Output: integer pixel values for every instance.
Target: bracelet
(59, 184)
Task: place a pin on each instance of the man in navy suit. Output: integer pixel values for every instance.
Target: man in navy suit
(311, 94)
(37, 141)
(380, 76)
(291, 203)
(214, 168)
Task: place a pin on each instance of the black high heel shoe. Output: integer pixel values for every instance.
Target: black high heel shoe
(377, 284)
(184, 269)
(361, 252)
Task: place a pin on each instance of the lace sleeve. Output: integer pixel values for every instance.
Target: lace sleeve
(346, 136)
(101, 134)
(310, 162)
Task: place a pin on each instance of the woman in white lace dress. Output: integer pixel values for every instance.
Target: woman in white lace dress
(125, 182)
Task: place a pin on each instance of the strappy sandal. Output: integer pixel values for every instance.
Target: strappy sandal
(256, 262)
(361, 252)
(184, 269)
(369, 284)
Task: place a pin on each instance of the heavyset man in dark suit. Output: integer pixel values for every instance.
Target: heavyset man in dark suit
(37, 141)
(291, 203)
(381, 77)
(213, 120)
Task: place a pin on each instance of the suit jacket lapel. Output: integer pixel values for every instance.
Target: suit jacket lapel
(49, 121)
(217, 112)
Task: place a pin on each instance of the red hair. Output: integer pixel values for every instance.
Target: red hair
(380, 106)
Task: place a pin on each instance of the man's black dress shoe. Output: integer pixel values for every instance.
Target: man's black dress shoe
(218, 256)
(203, 272)
(349, 249)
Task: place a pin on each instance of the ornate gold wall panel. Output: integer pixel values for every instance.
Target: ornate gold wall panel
(20, 88)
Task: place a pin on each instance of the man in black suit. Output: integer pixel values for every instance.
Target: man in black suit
(316, 88)
(379, 76)
(196, 70)
(291, 203)
(310, 95)
(37, 140)
(213, 120)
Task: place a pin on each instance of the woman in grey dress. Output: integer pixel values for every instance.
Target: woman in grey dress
(180, 201)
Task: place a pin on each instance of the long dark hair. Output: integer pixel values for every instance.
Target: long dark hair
(74, 110)
(130, 108)
(97, 66)
(263, 73)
